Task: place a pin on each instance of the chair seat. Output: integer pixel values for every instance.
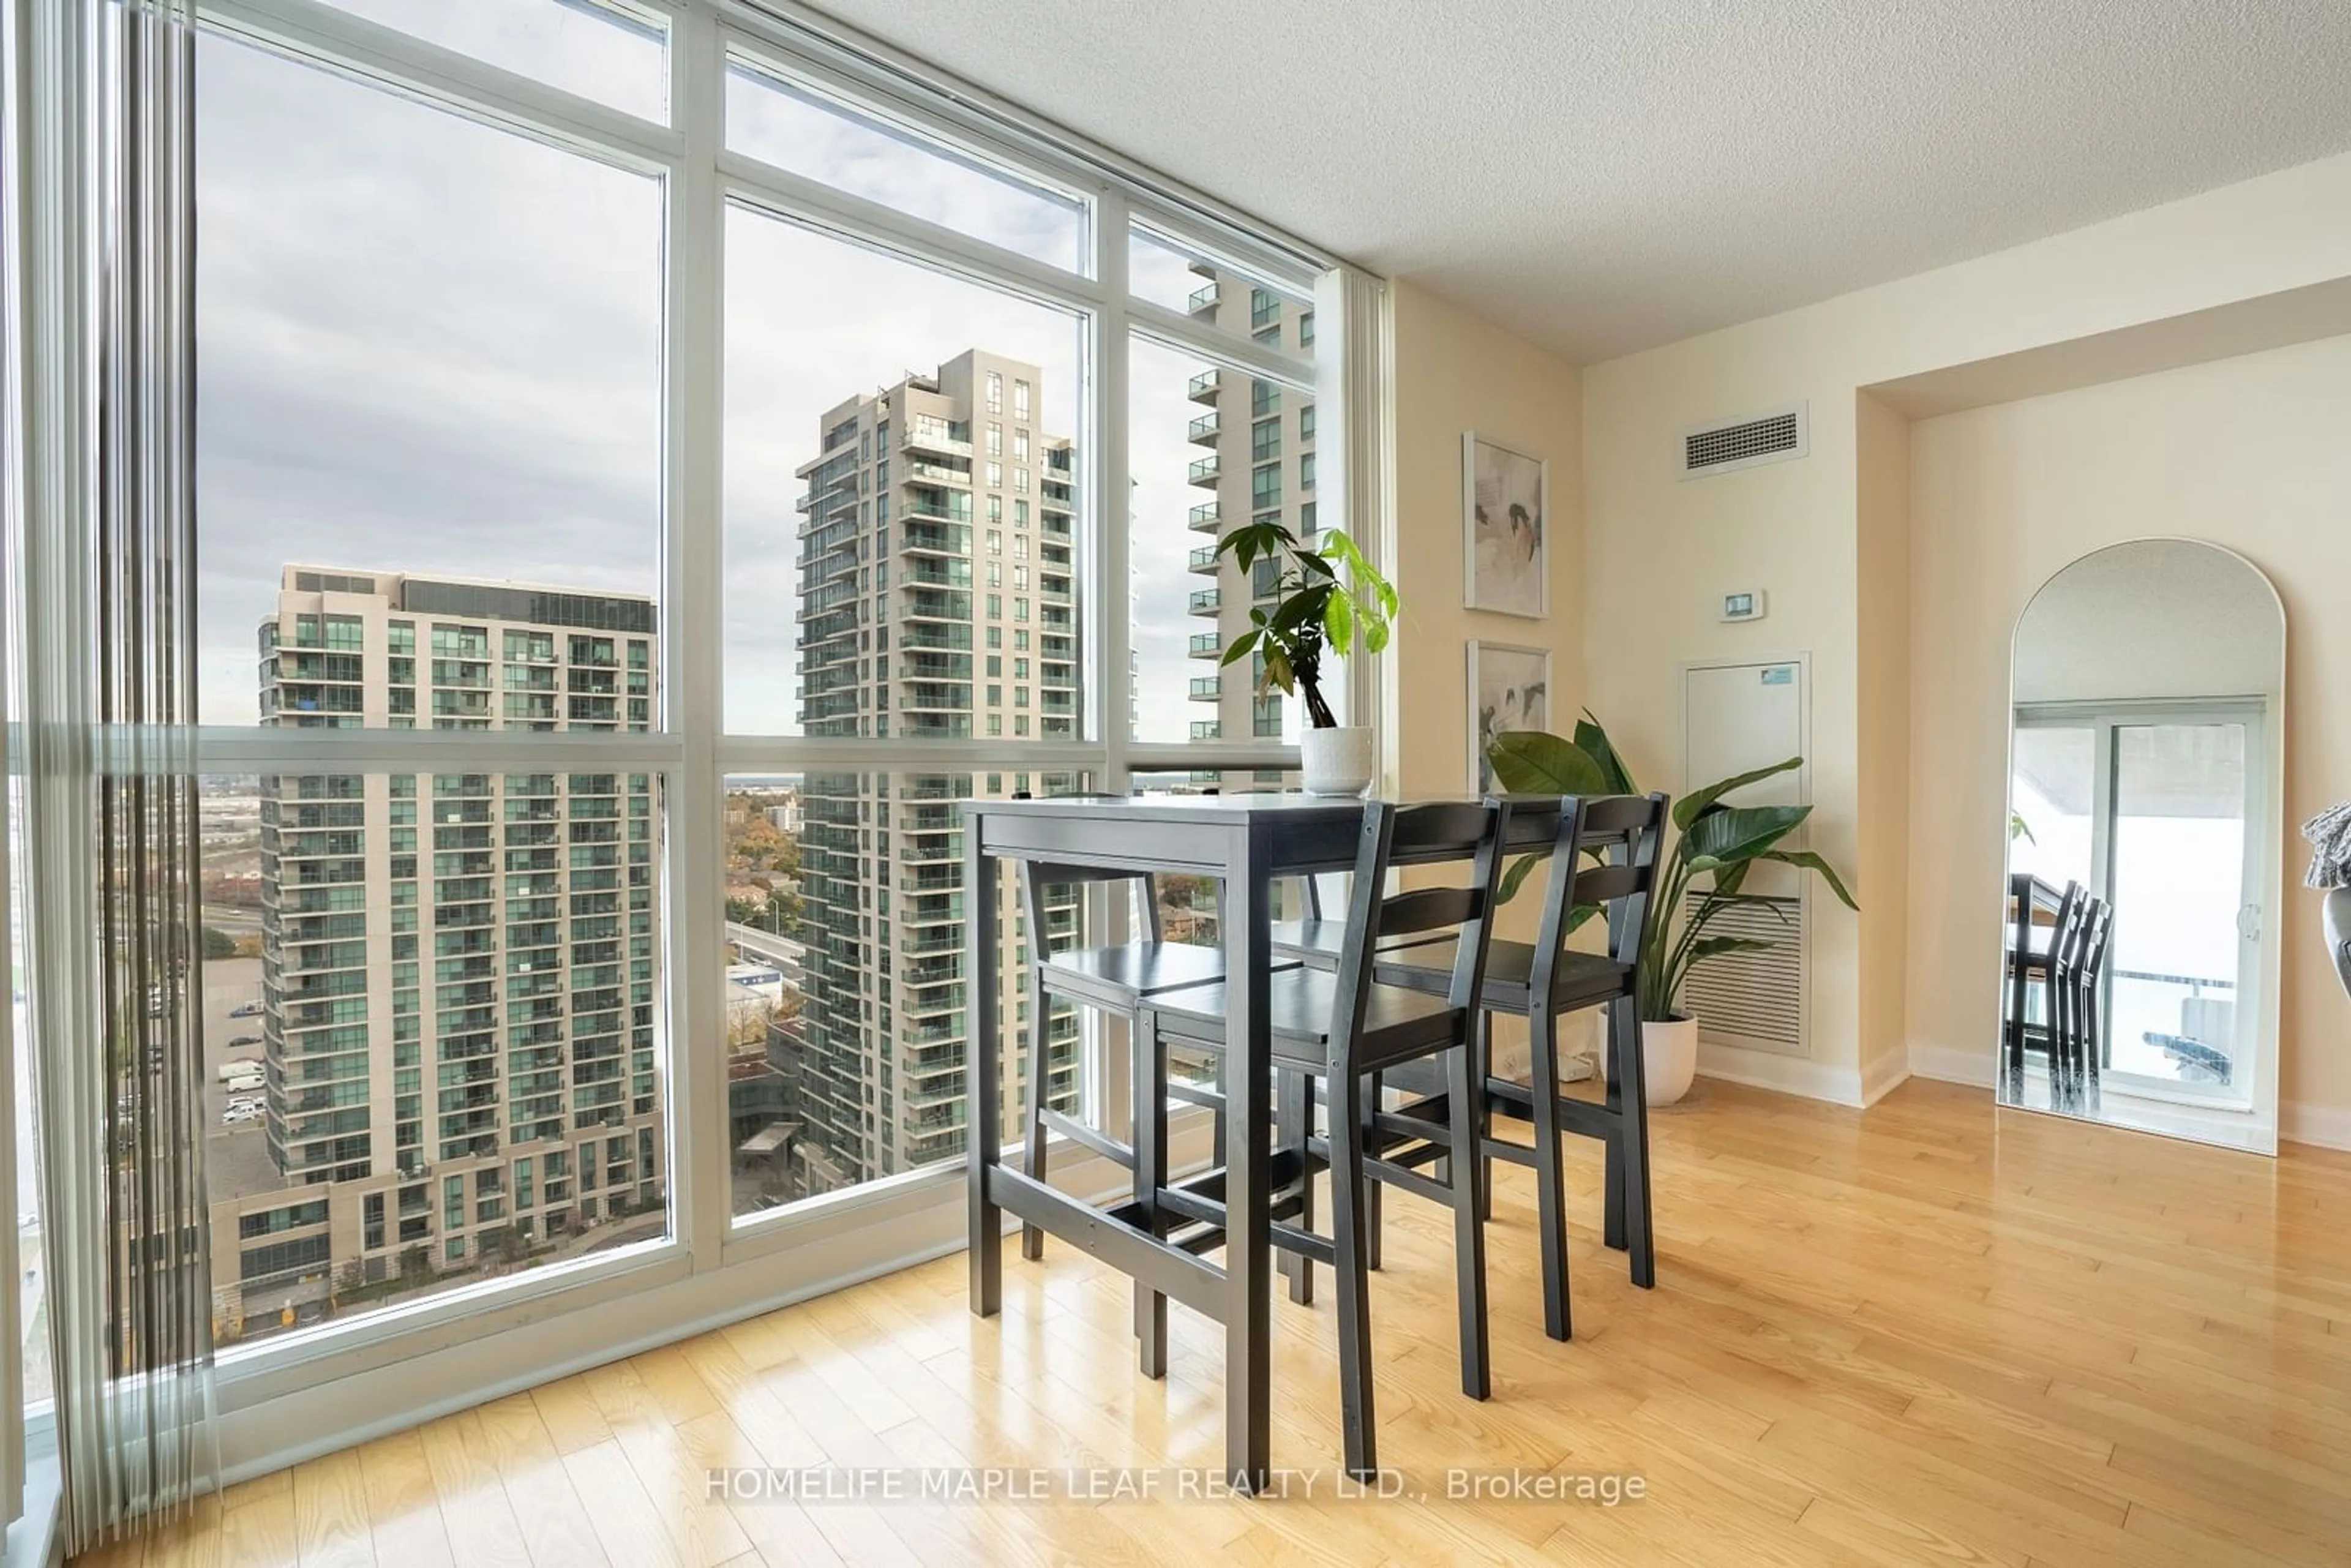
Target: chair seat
(1119, 975)
(1578, 981)
(1398, 1023)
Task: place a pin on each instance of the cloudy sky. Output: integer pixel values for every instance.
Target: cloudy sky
(429, 345)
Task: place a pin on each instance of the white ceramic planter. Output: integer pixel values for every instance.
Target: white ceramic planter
(1337, 761)
(1668, 1060)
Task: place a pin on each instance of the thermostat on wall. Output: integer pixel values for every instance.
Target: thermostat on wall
(1746, 605)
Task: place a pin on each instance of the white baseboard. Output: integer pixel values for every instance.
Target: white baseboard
(1950, 1064)
(1884, 1076)
(2327, 1127)
(1786, 1074)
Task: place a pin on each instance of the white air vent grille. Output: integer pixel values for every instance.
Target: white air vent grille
(1773, 437)
(1754, 999)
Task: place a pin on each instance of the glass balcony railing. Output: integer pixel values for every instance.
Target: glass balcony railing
(1202, 431)
(1204, 559)
(1203, 387)
(1206, 602)
(1208, 729)
(1204, 471)
(1207, 645)
(1204, 300)
(1204, 518)
(1207, 689)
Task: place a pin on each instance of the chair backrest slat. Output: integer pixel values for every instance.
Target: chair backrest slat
(1428, 908)
(1036, 876)
(1615, 815)
(1601, 883)
(1439, 829)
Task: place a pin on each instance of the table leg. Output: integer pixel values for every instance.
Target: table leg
(1150, 1081)
(1249, 1315)
(983, 1061)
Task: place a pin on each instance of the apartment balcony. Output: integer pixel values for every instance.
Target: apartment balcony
(917, 944)
(1055, 590)
(934, 696)
(940, 538)
(929, 438)
(1207, 689)
(930, 604)
(945, 638)
(1050, 675)
(1208, 729)
(1203, 387)
(1202, 431)
(1204, 601)
(1203, 561)
(1057, 705)
(917, 664)
(1204, 518)
(940, 473)
(1204, 472)
(1204, 300)
(1205, 645)
(1056, 525)
(927, 574)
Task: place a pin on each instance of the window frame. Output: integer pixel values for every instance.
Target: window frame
(713, 1266)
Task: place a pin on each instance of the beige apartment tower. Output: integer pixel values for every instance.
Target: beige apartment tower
(460, 971)
(938, 599)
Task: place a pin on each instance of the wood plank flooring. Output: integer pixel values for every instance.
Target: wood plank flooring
(1931, 1331)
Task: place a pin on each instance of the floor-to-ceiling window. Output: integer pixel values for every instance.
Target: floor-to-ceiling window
(653, 461)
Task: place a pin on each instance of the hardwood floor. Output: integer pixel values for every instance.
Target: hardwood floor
(1930, 1332)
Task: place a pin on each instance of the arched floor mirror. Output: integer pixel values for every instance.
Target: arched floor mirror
(2139, 982)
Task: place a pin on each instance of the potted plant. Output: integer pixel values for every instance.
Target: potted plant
(1715, 846)
(2329, 834)
(1326, 597)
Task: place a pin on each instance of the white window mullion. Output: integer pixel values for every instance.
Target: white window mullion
(1354, 438)
(694, 564)
(1108, 1061)
(1180, 332)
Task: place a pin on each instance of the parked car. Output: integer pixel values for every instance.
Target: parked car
(240, 1113)
(247, 1010)
(244, 1039)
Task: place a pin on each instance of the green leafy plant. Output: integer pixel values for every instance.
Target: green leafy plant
(1326, 597)
(1715, 846)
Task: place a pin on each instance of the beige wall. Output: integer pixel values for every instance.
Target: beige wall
(1816, 533)
(1882, 712)
(1455, 373)
(2250, 453)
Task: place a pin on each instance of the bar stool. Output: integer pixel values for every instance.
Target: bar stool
(1545, 981)
(1340, 1025)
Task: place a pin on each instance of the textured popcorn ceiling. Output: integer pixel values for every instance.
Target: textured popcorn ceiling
(1604, 175)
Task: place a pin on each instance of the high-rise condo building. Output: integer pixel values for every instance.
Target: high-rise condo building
(459, 971)
(1260, 464)
(938, 598)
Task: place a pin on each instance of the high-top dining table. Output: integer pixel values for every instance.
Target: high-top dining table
(1247, 842)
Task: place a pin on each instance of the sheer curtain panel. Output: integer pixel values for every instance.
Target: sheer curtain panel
(103, 569)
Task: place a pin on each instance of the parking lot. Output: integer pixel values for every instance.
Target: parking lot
(237, 1153)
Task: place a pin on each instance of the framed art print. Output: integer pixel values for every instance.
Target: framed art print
(1505, 558)
(1510, 689)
